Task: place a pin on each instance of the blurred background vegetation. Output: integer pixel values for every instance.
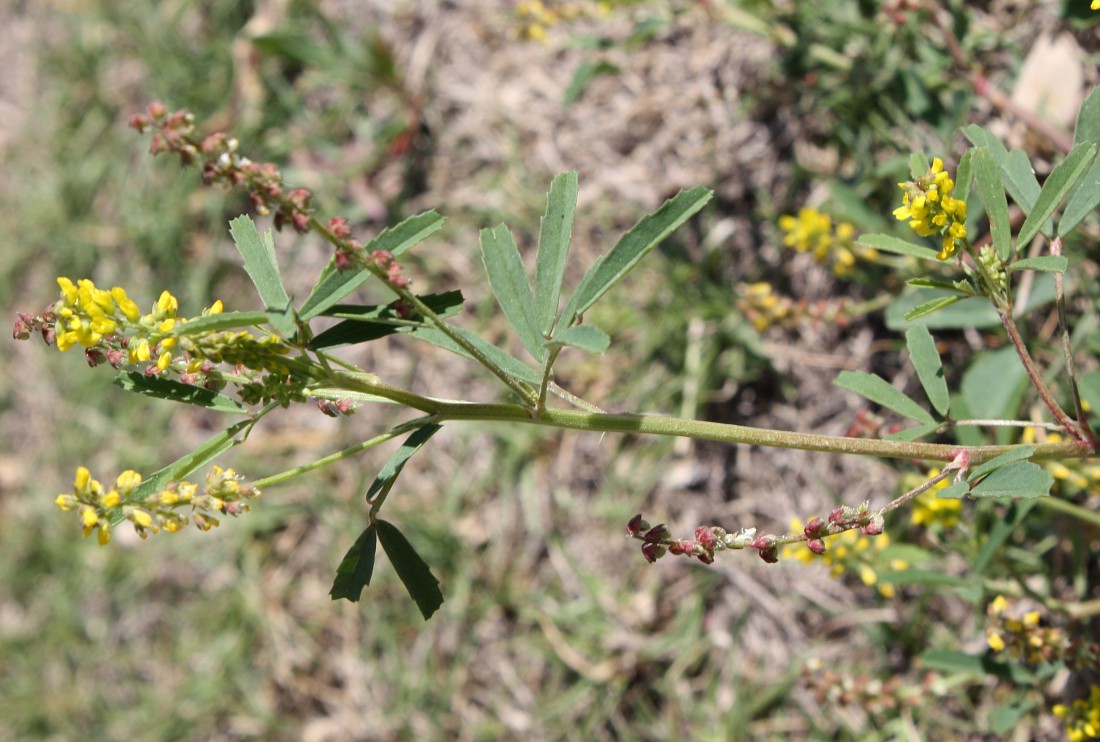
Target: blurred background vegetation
(554, 626)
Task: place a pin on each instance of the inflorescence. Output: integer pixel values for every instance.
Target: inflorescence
(931, 210)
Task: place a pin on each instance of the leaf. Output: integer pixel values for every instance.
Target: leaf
(878, 390)
(555, 231)
(928, 283)
(356, 568)
(1004, 718)
(392, 469)
(954, 661)
(510, 364)
(1087, 128)
(970, 312)
(259, 261)
(886, 243)
(991, 189)
(1082, 201)
(954, 491)
(934, 577)
(918, 165)
(177, 391)
(649, 232)
(993, 387)
(1044, 263)
(964, 175)
(1022, 479)
(1017, 454)
(219, 322)
(283, 321)
(508, 280)
(980, 137)
(926, 359)
(588, 338)
(932, 306)
(583, 75)
(334, 285)
(414, 572)
(1057, 186)
(1019, 180)
(368, 322)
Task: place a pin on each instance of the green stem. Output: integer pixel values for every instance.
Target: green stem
(338, 456)
(1076, 511)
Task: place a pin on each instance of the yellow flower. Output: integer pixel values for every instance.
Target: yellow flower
(1095, 5)
(930, 209)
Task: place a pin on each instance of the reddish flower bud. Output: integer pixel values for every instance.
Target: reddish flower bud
(837, 516)
(658, 533)
(637, 525)
(94, 356)
(652, 552)
(339, 228)
(706, 538)
(873, 527)
(816, 545)
(813, 528)
(156, 110)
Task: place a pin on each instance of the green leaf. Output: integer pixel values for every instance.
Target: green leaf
(259, 261)
(993, 387)
(1082, 201)
(176, 391)
(992, 191)
(283, 321)
(1019, 180)
(1022, 479)
(878, 390)
(980, 137)
(926, 359)
(510, 364)
(583, 75)
(334, 285)
(928, 283)
(1004, 718)
(588, 338)
(1058, 185)
(886, 243)
(964, 175)
(930, 307)
(970, 312)
(392, 469)
(954, 661)
(649, 232)
(367, 322)
(555, 231)
(954, 491)
(1087, 128)
(933, 577)
(918, 165)
(1044, 263)
(1017, 454)
(414, 572)
(219, 322)
(508, 280)
(356, 568)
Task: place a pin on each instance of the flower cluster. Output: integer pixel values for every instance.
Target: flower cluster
(1023, 637)
(844, 545)
(928, 509)
(930, 209)
(223, 165)
(99, 507)
(657, 541)
(1082, 717)
(814, 232)
(536, 17)
(764, 308)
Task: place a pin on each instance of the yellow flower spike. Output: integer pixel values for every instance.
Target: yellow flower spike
(83, 479)
(996, 642)
(169, 343)
(104, 535)
(163, 361)
(125, 304)
(68, 290)
(1095, 5)
(167, 305)
(88, 517)
(215, 308)
(1031, 618)
(141, 518)
(128, 481)
(66, 502)
(141, 353)
(111, 499)
(167, 325)
(998, 606)
(867, 575)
